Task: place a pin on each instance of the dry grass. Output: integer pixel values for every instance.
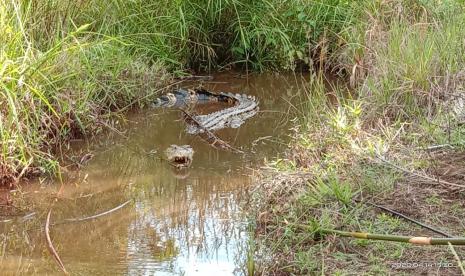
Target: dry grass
(334, 199)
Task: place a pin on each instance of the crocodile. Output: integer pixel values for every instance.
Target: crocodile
(189, 97)
(179, 156)
(243, 107)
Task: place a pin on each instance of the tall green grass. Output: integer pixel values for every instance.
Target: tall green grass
(265, 34)
(412, 54)
(64, 65)
(57, 83)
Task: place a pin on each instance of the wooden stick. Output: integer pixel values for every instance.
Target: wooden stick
(395, 238)
(101, 214)
(50, 246)
(210, 137)
(433, 180)
(196, 77)
(409, 219)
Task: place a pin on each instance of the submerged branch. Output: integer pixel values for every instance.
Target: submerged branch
(210, 137)
(50, 246)
(101, 214)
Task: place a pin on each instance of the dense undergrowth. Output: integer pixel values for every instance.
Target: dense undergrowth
(394, 139)
(67, 66)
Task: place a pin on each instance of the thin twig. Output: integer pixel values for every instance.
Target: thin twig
(28, 216)
(433, 180)
(115, 130)
(50, 246)
(211, 138)
(150, 94)
(437, 147)
(410, 219)
(71, 220)
(101, 214)
(196, 77)
(24, 170)
(457, 258)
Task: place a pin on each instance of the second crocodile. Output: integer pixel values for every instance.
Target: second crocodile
(244, 107)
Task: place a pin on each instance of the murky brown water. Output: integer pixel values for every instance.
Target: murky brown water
(175, 224)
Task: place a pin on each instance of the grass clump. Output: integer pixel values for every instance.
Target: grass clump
(57, 89)
(412, 57)
(265, 34)
(387, 141)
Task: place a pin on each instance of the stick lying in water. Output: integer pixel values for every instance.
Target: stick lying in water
(196, 77)
(101, 214)
(50, 246)
(210, 137)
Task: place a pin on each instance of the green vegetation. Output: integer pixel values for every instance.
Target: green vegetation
(394, 139)
(67, 67)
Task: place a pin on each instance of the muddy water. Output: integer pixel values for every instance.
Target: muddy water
(176, 223)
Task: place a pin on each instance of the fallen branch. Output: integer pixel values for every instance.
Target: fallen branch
(23, 171)
(50, 246)
(409, 219)
(395, 238)
(196, 77)
(210, 137)
(101, 214)
(437, 147)
(71, 220)
(430, 179)
(149, 95)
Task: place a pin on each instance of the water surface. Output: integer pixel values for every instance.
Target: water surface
(188, 223)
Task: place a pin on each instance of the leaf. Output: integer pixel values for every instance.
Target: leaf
(238, 50)
(311, 23)
(302, 16)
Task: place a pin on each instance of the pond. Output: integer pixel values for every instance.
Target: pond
(189, 223)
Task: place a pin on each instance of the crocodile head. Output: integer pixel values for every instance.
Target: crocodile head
(179, 97)
(179, 156)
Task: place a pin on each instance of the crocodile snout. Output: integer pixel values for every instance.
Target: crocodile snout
(179, 156)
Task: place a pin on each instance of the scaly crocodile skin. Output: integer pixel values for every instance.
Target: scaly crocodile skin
(244, 107)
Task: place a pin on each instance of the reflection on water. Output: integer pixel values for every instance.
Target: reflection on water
(191, 225)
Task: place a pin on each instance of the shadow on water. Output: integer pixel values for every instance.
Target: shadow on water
(176, 224)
